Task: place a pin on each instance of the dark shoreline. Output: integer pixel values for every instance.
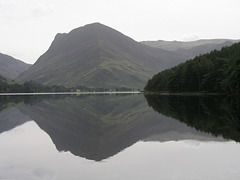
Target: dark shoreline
(185, 93)
(68, 93)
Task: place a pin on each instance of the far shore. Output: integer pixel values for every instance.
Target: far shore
(118, 92)
(69, 93)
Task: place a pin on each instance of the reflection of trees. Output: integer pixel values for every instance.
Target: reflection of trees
(215, 115)
(9, 101)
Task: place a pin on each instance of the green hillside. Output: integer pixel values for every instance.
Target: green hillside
(98, 56)
(218, 71)
(5, 80)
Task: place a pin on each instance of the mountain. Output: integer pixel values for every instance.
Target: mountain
(98, 56)
(217, 71)
(11, 67)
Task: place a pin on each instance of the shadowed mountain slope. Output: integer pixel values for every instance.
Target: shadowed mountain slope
(11, 67)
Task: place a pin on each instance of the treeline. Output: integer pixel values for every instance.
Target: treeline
(28, 87)
(10, 86)
(217, 71)
(81, 88)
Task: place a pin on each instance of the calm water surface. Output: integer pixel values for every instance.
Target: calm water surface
(123, 136)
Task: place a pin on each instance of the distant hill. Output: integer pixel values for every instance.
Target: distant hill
(192, 48)
(218, 71)
(98, 56)
(11, 67)
(176, 45)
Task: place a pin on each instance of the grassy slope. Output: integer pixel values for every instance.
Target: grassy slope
(8, 80)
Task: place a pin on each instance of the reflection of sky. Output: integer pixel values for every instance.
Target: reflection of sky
(192, 143)
(27, 152)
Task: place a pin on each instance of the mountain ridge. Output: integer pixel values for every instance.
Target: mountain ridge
(175, 45)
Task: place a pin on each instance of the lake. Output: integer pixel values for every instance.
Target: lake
(119, 136)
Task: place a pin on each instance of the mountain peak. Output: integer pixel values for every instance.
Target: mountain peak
(96, 55)
(94, 24)
(87, 27)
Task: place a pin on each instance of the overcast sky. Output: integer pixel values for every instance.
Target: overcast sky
(27, 27)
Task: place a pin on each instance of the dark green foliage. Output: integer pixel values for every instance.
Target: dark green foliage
(218, 71)
(216, 115)
(28, 87)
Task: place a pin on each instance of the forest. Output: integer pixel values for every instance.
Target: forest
(215, 72)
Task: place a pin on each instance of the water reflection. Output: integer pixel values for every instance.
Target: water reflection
(10, 116)
(99, 126)
(219, 116)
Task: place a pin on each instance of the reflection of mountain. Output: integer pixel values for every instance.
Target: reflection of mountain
(215, 115)
(99, 126)
(94, 127)
(11, 118)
